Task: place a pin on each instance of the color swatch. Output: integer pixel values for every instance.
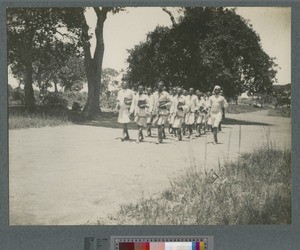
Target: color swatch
(198, 245)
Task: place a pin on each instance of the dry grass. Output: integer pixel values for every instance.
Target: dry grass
(281, 112)
(255, 189)
(32, 120)
(237, 109)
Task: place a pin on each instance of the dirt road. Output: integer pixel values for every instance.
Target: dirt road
(72, 175)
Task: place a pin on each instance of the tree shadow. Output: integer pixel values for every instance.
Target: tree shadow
(230, 121)
(109, 120)
(105, 119)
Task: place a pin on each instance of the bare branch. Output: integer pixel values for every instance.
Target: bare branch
(170, 14)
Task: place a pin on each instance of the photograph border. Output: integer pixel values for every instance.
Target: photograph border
(225, 237)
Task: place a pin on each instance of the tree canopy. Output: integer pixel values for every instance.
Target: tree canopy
(37, 47)
(207, 46)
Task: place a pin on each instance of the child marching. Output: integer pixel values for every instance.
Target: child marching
(191, 102)
(201, 113)
(124, 101)
(217, 103)
(178, 110)
(162, 103)
(149, 110)
(138, 108)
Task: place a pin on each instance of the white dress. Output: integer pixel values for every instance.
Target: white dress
(216, 105)
(140, 113)
(179, 114)
(161, 113)
(191, 101)
(124, 97)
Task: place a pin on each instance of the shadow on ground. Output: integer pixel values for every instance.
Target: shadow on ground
(230, 121)
(109, 120)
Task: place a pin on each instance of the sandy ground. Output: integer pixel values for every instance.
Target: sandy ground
(78, 174)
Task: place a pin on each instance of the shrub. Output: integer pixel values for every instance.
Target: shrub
(54, 98)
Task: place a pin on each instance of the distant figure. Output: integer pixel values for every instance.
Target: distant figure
(138, 108)
(178, 110)
(162, 103)
(217, 103)
(223, 113)
(201, 112)
(191, 102)
(208, 117)
(173, 97)
(124, 101)
(149, 110)
(185, 94)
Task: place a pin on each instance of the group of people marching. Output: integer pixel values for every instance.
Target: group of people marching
(183, 111)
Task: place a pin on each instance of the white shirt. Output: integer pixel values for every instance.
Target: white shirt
(191, 102)
(161, 97)
(217, 103)
(134, 106)
(122, 94)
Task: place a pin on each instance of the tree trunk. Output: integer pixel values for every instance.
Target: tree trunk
(94, 65)
(27, 59)
(28, 89)
(55, 87)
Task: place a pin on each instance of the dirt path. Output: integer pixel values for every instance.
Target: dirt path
(79, 174)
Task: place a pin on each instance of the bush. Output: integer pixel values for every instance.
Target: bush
(75, 97)
(54, 98)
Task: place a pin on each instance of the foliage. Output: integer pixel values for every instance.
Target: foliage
(36, 49)
(207, 46)
(54, 98)
(17, 95)
(109, 100)
(241, 192)
(108, 78)
(72, 74)
(93, 63)
(282, 95)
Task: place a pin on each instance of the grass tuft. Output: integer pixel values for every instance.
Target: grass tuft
(32, 120)
(281, 112)
(255, 189)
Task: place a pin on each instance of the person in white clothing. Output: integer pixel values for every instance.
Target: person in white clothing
(208, 118)
(149, 110)
(191, 102)
(138, 108)
(217, 103)
(201, 111)
(178, 109)
(162, 104)
(173, 97)
(124, 101)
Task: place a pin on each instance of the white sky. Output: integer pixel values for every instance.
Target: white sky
(124, 30)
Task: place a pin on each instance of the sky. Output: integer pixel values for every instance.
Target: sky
(124, 30)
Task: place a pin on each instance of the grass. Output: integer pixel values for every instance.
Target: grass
(255, 189)
(237, 109)
(282, 112)
(32, 120)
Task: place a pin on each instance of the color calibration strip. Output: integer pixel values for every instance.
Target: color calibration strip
(161, 244)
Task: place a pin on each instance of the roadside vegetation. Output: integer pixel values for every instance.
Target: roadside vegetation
(255, 189)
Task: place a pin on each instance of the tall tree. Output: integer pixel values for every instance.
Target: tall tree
(93, 63)
(32, 33)
(207, 46)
